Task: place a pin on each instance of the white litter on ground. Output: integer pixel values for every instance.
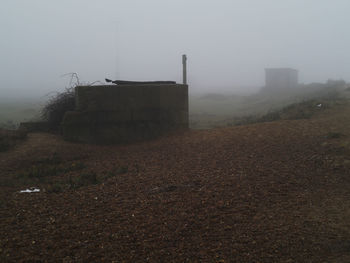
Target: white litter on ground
(319, 105)
(30, 190)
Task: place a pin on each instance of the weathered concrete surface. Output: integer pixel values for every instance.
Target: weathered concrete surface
(126, 113)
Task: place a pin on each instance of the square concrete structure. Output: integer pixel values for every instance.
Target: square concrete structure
(126, 113)
(281, 78)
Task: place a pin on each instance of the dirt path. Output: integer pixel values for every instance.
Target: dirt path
(273, 192)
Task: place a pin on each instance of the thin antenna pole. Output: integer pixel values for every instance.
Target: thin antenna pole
(184, 69)
(117, 57)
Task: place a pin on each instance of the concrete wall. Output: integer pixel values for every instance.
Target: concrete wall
(125, 113)
(281, 78)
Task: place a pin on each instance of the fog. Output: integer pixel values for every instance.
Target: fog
(228, 43)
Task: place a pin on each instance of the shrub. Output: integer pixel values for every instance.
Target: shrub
(57, 106)
(60, 103)
(53, 112)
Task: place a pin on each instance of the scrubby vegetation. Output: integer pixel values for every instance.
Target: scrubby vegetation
(57, 106)
(334, 135)
(295, 111)
(329, 95)
(61, 102)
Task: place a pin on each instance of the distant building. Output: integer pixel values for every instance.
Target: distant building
(281, 78)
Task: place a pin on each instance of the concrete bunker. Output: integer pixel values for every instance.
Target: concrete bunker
(281, 78)
(125, 113)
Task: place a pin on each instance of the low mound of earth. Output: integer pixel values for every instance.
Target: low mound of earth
(270, 192)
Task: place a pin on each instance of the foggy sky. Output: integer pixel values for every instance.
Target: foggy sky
(228, 42)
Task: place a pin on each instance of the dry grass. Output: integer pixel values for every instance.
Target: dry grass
(9, 138)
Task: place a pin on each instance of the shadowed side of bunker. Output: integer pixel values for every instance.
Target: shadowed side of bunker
(125, 113)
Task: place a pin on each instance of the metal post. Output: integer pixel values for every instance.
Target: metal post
(184, 69)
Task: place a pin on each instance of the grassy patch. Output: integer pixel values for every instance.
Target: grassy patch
(117, 171)
(4, 145)
(53, 175)
(73, 183)
(9, 138)
(56, 187)
(295, 111)
(50, 167)
(263, 106)
(334, 135)
(83, 179)
(49, 171)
